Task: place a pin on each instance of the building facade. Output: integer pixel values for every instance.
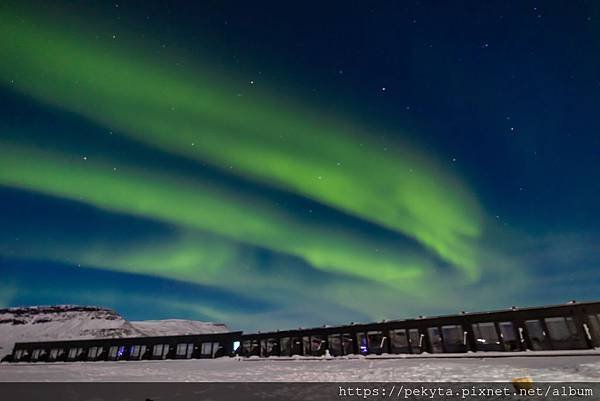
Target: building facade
(573, 326)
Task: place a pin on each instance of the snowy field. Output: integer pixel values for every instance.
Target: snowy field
(540, 368)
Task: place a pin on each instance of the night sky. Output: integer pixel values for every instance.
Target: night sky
(275, 164)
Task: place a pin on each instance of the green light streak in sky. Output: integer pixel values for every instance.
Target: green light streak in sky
(197, 114)
(193, 204)
(202, 258)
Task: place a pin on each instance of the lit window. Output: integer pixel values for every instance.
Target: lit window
(160, 350)
(137, 351)
(206, 349)
(56, 353)
(36, 354)
(112, 352)
(216, 347)
(185, 350)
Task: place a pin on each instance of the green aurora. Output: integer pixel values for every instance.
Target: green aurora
(196, 114)
(192, 205)
(436, 246)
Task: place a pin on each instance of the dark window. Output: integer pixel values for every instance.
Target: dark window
(557, 328)
(347, 344)
(563, 333)
(251, 348)
(297, 345)
(595, 328)
(272, 347)
(399, 342)
(246, 348)
(486, 337)
(416, 341)
(263, 347)
(335, 344)
(285, 346)
(376, 342)
(454, 338)
(435, 339)
(318, 345)
(306, 345)
(537, 336)
(509, 337)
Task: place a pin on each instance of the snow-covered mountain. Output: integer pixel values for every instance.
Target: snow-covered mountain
(177, 326)
(47, 323)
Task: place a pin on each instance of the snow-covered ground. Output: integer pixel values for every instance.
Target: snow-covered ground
(540, 368)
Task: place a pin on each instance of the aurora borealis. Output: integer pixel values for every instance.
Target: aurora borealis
(144, 167)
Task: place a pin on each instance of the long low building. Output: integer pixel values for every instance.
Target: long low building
(212, 345)
(561, 327)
